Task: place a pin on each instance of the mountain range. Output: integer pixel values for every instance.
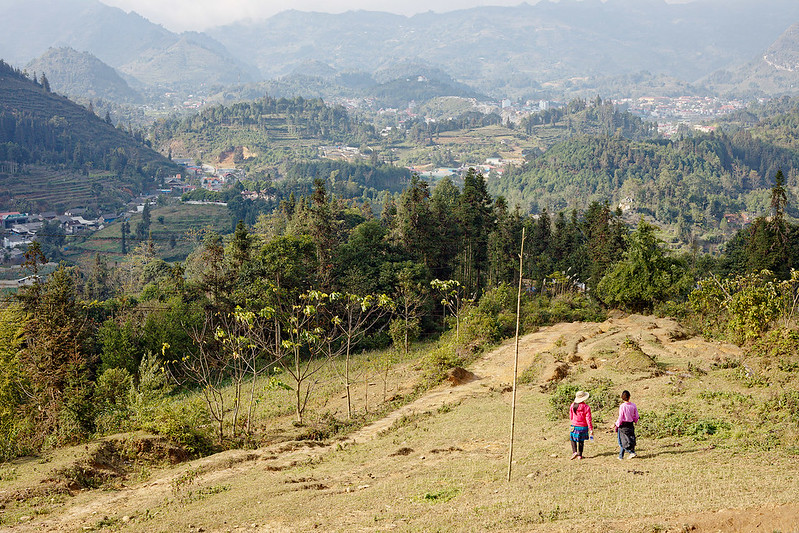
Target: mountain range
(146, 53)
(499, 51)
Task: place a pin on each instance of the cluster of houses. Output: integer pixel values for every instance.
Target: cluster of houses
(210, 177)
(20, 229)
(491, 164)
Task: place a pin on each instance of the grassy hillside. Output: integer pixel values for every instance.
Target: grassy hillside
(716, 446)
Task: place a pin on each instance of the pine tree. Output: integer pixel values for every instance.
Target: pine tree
(56, 357)
(45, 83)
(413, 225)
(476, 221)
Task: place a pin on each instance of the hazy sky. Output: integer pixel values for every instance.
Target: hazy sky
(180, 15)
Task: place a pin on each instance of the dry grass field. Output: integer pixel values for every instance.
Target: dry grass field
(440, 462)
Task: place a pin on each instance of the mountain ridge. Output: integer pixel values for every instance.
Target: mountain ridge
(82, 74)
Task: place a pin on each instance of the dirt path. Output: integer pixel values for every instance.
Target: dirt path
(494, 370)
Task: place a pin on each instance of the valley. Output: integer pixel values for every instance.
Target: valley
(267, 270)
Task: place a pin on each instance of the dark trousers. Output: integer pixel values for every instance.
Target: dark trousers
(626, 435)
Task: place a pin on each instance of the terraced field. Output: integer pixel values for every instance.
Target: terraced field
(187, 223)
(48, 189)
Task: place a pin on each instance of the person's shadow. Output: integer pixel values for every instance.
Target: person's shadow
(650, 453)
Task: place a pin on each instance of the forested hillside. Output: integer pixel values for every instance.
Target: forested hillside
(80, 74)
(40, 131)
(270, 128)
(695, 180)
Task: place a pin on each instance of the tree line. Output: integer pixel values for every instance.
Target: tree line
(90, 352)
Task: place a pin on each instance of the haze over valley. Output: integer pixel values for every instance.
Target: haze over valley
(294, 270)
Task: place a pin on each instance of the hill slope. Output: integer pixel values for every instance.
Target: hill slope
(80, 74)
(775, 72)
(43, 132)
(441, 461)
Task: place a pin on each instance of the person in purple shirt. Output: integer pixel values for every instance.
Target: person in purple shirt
(625, 425)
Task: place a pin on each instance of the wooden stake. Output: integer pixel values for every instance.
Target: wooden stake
(516, 358)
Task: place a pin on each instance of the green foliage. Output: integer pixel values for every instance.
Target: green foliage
(181, 422)
(438, 363)
(741, 308)
(700, 178)
(603, 399)
(680, 421)
(150, 393)
(778, 348)
(561, 399)
(56, 358)
(11, 377)
(645, 275)
(440, 496)
(118, 348)
(111, 396)
(492, 319)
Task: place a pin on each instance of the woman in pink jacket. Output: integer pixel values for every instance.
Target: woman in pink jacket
(582, 424)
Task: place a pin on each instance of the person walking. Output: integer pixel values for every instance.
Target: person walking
(581, 423)
(625, 426)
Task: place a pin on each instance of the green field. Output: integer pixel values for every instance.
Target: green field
(187, 223)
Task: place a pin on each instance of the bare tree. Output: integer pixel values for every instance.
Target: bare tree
(452, 293)
(302, 345)
(351, 318)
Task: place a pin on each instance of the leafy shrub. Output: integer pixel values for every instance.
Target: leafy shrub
(574, 307)
(180, 421)
(152, 390)
(481, 327)
(740, 308)
(567, 307)
(679, 421)
(111, 396)
(113, 387)
(436, 364)
(778, 347)
(603, 399)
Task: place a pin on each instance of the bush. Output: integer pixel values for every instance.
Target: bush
(603, 399)
(780, 348)
(567, 307)
(679, 421)
(561, 399)
(111, 396)
(436, 365)
(180, 422)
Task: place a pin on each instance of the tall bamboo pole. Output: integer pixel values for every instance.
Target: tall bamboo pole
(516, 358)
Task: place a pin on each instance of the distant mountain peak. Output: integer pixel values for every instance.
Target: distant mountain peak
(81, 74)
